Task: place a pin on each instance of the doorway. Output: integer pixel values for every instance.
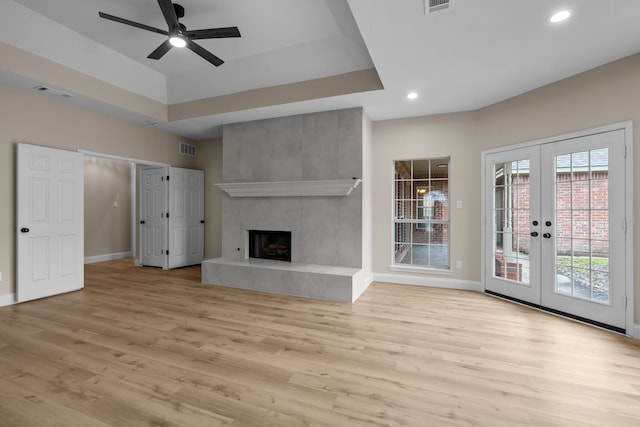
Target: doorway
(556, 235)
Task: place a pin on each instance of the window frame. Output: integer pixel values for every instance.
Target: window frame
(416, 204)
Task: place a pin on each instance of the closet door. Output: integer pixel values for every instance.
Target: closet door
(153, 220)
(186, 217)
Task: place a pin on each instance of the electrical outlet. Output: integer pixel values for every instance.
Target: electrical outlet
(459, 265)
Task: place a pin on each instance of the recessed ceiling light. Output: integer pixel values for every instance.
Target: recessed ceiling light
(560, 16)
(412, 95)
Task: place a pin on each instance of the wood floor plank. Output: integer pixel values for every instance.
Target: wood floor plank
(145, 346)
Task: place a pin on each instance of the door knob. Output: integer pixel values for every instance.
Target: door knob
(534, 234)
(24, 230)
(547, 235)
(142, 222)
(548, 223)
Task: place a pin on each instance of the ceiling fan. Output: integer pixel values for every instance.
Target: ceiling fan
(178, 34)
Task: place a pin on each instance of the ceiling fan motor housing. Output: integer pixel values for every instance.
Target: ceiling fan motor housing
(179, 10)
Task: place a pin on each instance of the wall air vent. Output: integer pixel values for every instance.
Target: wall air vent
(432, 6)
(187, 149)
(52, 91)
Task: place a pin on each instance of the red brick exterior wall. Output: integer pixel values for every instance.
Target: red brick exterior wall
(590, 216)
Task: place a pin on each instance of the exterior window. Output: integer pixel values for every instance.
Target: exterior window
(421, 213)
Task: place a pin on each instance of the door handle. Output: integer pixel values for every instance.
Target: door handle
(547, 235)
(534, 234)
(142, 222)
(24, 230)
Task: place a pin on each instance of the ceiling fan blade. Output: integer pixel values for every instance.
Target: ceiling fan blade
(131, 23)
(213, 33)
(169, 15)
(160, 50)
(204, 53)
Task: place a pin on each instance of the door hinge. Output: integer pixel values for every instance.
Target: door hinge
(625, 301)
(625, 225)
(625, 151)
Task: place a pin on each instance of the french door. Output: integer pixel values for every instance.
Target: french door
(555, 236)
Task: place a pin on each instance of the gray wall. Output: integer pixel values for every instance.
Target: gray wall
(318, 146)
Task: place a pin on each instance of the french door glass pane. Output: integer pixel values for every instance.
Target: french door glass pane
(582, 225)
(511, 238)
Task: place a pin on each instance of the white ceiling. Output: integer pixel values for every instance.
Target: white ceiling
(474, 54)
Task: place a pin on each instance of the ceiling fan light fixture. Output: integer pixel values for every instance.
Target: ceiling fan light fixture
(177, 41)
(560, 16)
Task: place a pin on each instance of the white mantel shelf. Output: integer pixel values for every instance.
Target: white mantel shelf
(329, 187)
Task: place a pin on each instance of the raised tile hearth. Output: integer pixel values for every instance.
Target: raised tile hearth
(306, 280)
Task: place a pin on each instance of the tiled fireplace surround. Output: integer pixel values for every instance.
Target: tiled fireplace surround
(330, 235)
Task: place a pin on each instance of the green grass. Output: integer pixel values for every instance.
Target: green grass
(597, 263)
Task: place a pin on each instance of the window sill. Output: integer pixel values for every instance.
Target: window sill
(423, 270)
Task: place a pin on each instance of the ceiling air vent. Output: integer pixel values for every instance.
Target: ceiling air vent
(187, 149)
(432, 6)
(51, 91)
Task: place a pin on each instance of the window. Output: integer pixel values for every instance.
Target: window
(421, 213)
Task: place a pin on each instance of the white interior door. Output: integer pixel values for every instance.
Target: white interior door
(50, 220)
(153, 216)
(556, 226)
(186, 217)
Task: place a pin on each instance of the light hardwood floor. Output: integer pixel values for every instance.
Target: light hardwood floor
(146, 347)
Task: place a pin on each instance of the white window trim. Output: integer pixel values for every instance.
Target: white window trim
(409, 267)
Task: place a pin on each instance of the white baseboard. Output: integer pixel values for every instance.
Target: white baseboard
(107, 257)
(7, 299)
(361, 287)
(434, 282)
(634, 331)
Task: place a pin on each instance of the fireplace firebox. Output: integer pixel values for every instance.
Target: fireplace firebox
(267, 244)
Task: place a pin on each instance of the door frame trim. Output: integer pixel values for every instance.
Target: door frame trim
(134, 191)
(627, 126)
